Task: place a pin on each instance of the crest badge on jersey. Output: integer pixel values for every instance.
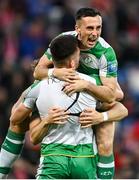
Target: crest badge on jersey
(89, 60)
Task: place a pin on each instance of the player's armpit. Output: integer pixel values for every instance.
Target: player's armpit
(20, 114)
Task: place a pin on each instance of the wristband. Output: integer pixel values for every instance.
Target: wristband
(105, 116)
(50, 72)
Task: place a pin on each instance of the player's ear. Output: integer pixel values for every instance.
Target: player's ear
(72, 64)
(77, 29)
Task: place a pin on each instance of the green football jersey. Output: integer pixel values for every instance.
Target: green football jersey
(99, 60)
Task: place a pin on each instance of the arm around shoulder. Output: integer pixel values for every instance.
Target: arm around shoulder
(20, 114)
(105, 92)
(41, 70)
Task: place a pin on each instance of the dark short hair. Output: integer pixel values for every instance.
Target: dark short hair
(62, 47)
(85, 12)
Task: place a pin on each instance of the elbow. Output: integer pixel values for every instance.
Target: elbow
(125, 112)
(119, 95)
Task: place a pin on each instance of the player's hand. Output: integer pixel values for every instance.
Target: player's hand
(75, 86)
(66, 74)
(90, 117)
(56, 115)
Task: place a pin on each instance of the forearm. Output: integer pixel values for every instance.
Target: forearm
(117, 112)
(40, 72)
(20, 114)
(20, 100)
(102, 93)
(90, 117)
(38, 132)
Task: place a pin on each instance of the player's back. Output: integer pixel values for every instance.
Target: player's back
(71, 133)
(51, 95)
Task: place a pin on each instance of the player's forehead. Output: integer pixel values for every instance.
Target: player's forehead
(91, 21)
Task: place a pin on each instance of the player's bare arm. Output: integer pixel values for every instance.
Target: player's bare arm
(119, 92)
(91, 117)
(20, 114)
(41, 70)
(21, 98)
(114, 87)
(104, 93)
(69, 75)
(39, 127)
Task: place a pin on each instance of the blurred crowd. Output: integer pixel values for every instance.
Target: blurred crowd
(27, 27)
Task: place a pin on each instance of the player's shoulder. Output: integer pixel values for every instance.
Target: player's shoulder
(104, 47)
(74, 33)
(35, 84)
(103, 43)
(87, 78)
(44, 81)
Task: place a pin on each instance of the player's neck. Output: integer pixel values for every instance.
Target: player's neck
(62, 66)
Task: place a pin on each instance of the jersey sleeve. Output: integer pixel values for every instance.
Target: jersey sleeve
(48, 54)
(32, 95)
(108, 64)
